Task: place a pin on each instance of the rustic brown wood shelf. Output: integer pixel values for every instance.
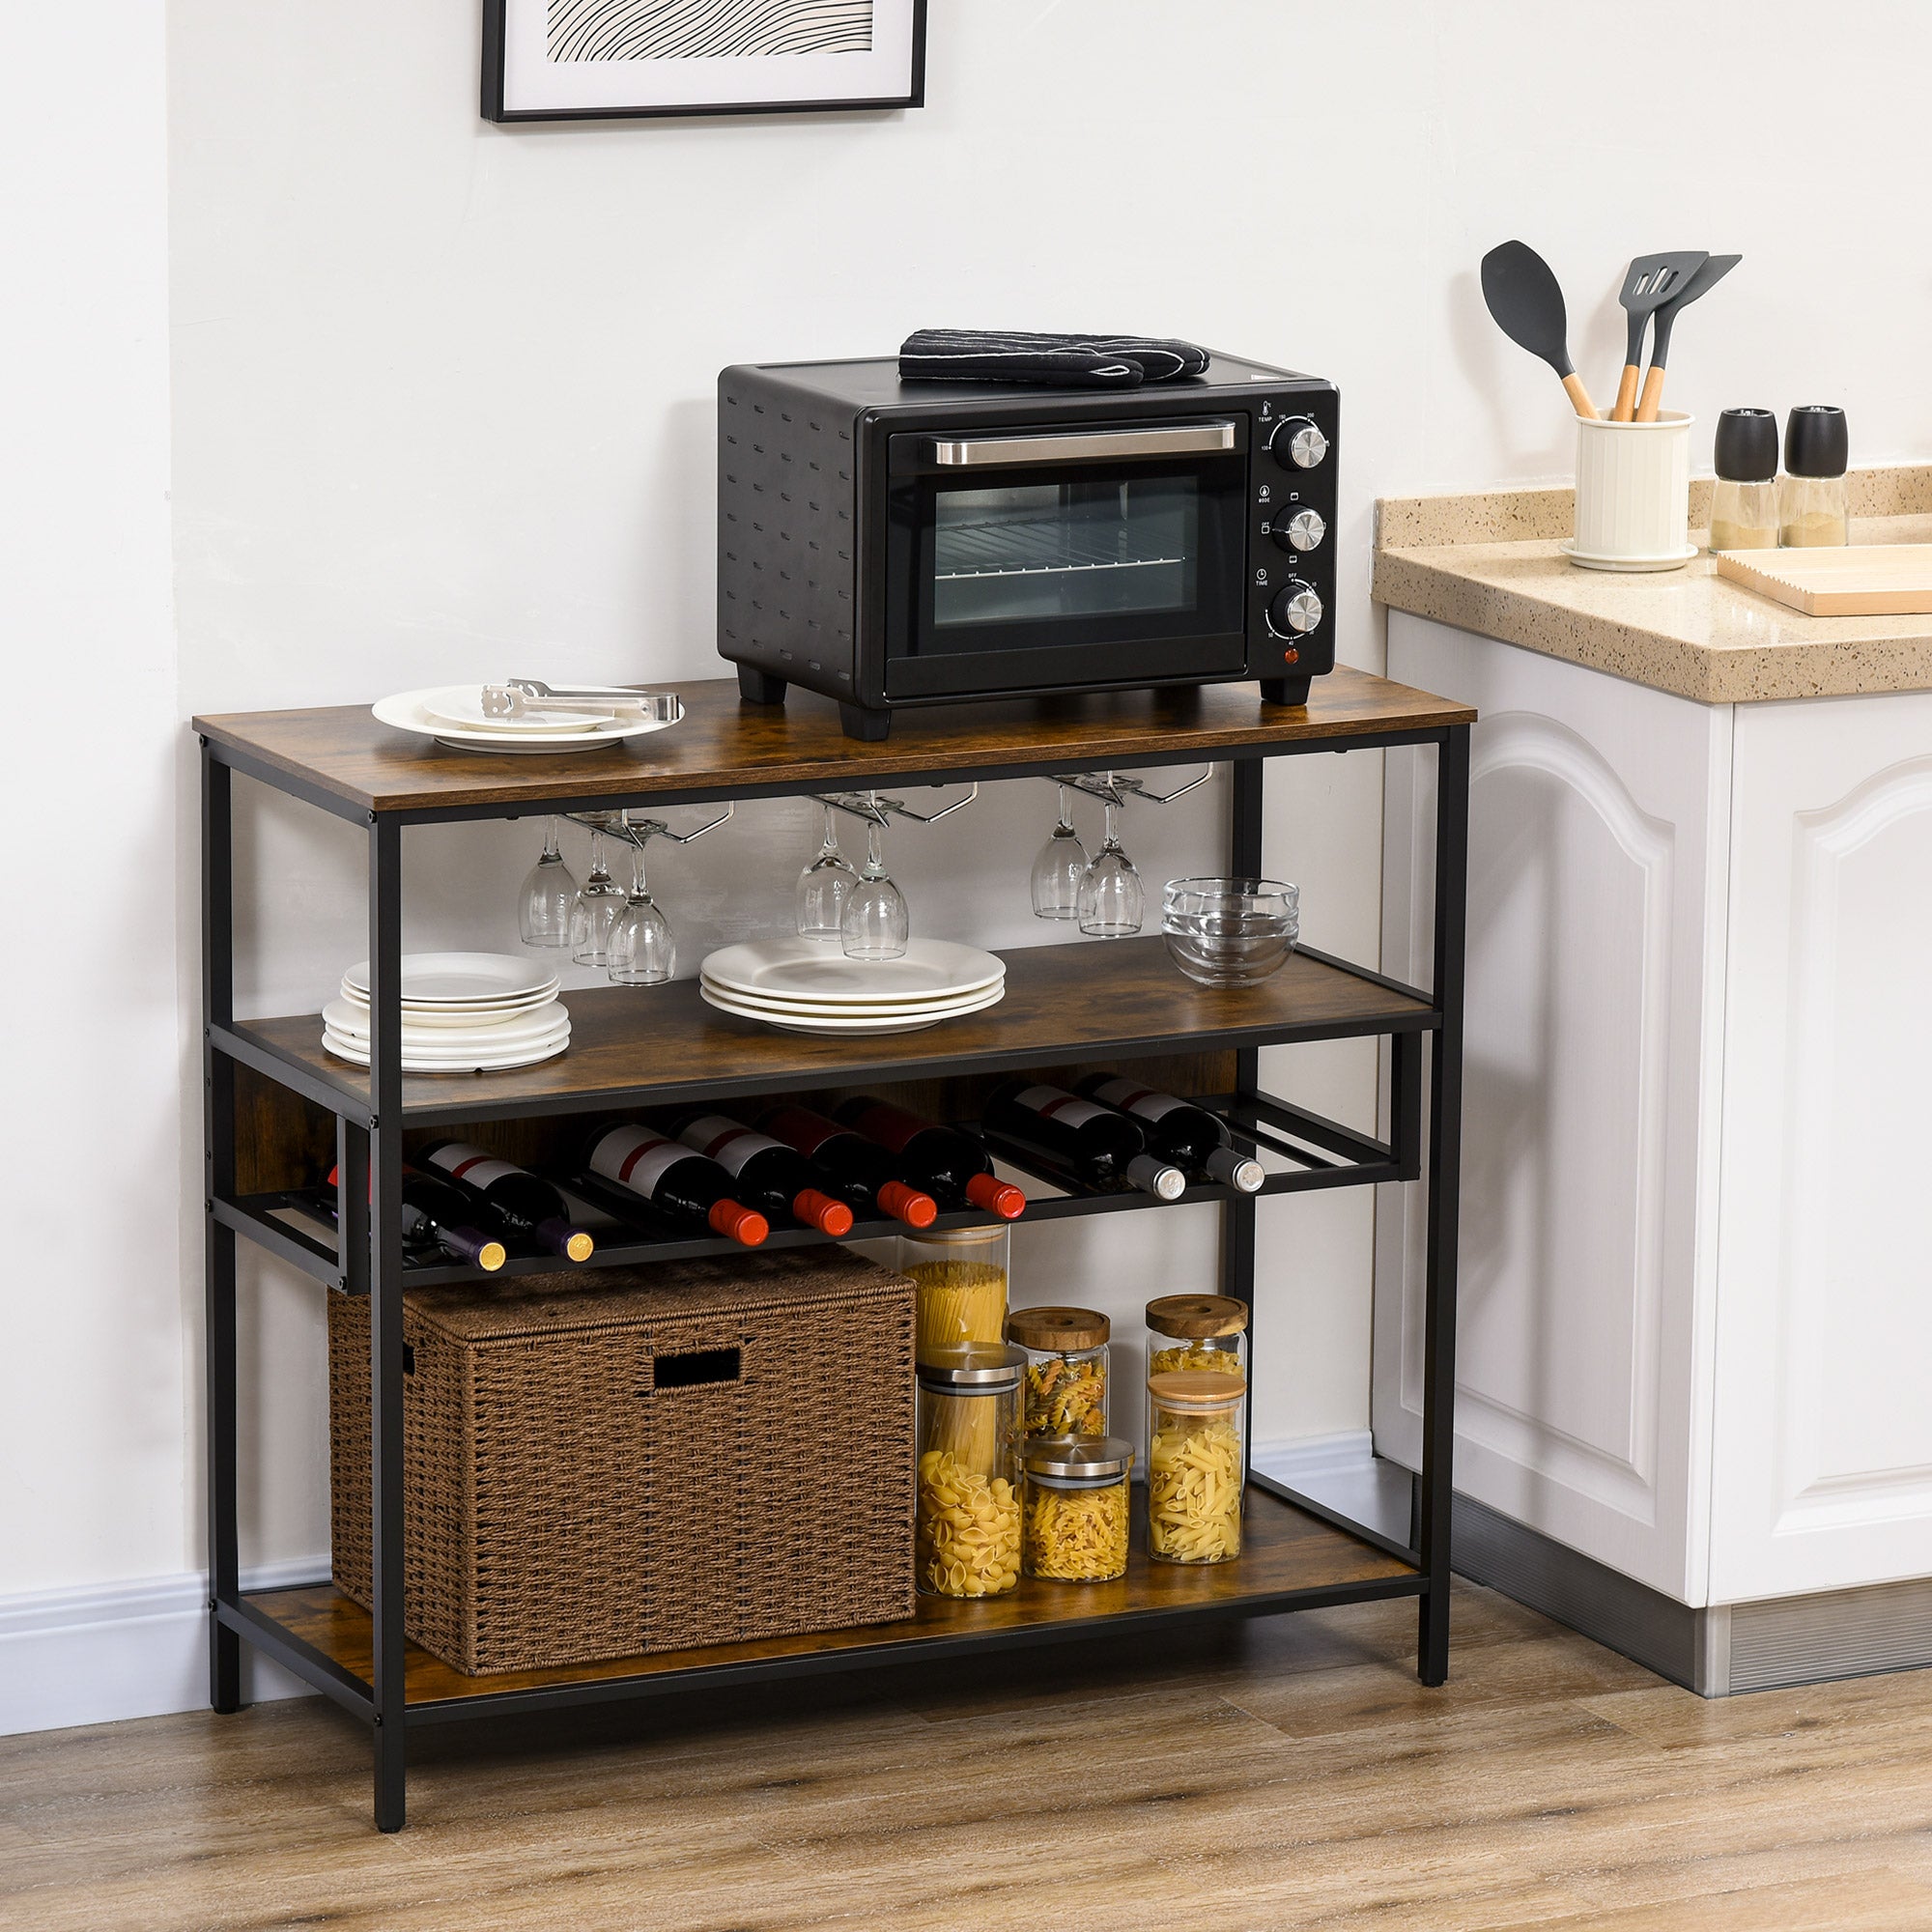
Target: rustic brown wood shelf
(1289, 1560)
(271, 1089)
(724, 748)
(647, 1044)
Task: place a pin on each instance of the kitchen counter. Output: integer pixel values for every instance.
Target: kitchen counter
(1489, 562)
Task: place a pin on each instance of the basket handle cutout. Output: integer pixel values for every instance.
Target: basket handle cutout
(696, 1367)
(409, 1359)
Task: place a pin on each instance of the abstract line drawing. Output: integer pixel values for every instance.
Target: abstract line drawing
(613, 30)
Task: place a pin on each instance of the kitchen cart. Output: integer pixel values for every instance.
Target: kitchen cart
(279, 1110)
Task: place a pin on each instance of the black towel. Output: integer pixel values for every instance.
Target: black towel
(1050, 361)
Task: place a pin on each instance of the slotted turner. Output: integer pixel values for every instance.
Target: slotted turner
(1526, 300)
(1650, 282)
(1701, 283)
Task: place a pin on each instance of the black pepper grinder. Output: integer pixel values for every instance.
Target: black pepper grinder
(1744, 499)
(1814, 504)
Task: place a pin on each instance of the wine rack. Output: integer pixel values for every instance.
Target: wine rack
(278, 1108)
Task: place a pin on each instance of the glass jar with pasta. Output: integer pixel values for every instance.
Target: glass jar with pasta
(1065, 1369)
(1195, 1466)
(966, 1524)
(1197, 1332)
(1075, 1508)
(960, 1278)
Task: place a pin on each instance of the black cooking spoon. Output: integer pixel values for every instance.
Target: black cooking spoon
(1716, 267)
(1527, 303)
(1650, 282)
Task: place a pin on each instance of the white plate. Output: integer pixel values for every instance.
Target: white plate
(467, 1053)
(870, 1026)
(460, 979)
(896, 1009)
(810, 970)
(476, 1063)
(410, 711)
(1590, 561)
(352, 1022)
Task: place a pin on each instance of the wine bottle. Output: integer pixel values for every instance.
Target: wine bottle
(767, 1173)
(683, 1186)
(525, 1203)
(437, 1220)
(1179, 1130)
(952, 1166)
(1075, 1137)
(866, 1177)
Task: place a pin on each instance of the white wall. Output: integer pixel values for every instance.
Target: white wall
(442, 402)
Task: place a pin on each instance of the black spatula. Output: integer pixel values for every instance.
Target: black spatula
(1527, 303)
(1650, 282)
(1716, 267)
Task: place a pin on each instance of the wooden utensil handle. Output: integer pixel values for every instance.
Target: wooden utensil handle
(1653, 394)
(1625, 394)
(1580, 397)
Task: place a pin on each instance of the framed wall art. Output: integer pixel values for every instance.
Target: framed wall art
(582, 60)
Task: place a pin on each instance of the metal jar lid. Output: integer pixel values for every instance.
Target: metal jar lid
(1079, 1458)
(971, 1368)
(1197, 1317)
(1046, 1331)
(1196, 1388)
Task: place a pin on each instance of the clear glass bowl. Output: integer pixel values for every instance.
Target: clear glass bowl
(1229, 933)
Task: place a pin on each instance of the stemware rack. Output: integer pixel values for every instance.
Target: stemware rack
(279, 1110)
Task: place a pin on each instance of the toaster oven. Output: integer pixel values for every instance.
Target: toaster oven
(894, 544)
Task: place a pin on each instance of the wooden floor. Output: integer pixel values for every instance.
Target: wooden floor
(1289, 1773)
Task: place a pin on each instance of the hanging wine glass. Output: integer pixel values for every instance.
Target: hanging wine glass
(1111, 902)
(543, 912)
(642, 949)
(876, 921)
(1058, 869)
(824, 886)
(594, 911)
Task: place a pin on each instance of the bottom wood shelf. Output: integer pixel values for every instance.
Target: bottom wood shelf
(1290, 1560)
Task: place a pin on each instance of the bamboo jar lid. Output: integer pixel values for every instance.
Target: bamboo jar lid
(1197, 1317)
(1058, 1330)
(1203, 1389)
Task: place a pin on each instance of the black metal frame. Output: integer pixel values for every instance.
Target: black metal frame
(369, 1258)
(494, 33)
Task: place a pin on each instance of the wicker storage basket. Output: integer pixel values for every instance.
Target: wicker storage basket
(695, 1453)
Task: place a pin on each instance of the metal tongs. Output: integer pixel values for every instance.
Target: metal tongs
(528, 697)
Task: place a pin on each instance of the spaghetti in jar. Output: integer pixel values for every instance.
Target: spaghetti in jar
(960, 1277)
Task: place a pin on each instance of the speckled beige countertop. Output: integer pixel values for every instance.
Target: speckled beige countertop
(1489, 562)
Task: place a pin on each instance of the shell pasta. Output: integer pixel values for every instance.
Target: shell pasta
(968, 1541)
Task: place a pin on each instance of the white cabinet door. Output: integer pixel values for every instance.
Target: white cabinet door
(1824, 1403)
(1597, 821)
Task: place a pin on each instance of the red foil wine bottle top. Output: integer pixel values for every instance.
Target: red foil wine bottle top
(998, 1197)
(738, 1223)
(908, 1204)
(821, 1211)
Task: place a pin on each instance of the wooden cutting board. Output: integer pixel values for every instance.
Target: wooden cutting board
(1838, 580)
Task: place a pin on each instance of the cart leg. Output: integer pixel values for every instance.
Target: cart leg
(217, 1100)
(1239, 1217)
(1445, 1144)
(385, 1194)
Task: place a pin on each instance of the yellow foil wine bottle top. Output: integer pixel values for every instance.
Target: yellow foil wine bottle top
(491, 1256)
(579, 1247)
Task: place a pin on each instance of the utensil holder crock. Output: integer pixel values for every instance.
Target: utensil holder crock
(1632, 494)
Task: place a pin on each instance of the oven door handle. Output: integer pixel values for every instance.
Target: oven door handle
(1014, 452)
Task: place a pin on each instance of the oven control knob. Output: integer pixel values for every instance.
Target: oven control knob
(1297, 440)
(1295, 611)
(1303, 531)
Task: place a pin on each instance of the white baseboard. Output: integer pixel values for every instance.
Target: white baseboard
(1296, 1459)
(126, 1650)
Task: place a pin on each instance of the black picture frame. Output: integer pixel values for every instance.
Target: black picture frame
(496, 107)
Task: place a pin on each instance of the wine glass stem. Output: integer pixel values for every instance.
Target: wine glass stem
(549, 850)
(831, 844)
(1113, 826)
(1065, 821)
(875, 856)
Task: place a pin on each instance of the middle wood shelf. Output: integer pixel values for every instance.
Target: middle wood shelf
(644, 1046)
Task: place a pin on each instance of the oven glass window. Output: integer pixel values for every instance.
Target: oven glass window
(1042, 550)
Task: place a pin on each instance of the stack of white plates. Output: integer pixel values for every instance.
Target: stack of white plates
(804, 985)
(462, 1013)
(453, 715)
